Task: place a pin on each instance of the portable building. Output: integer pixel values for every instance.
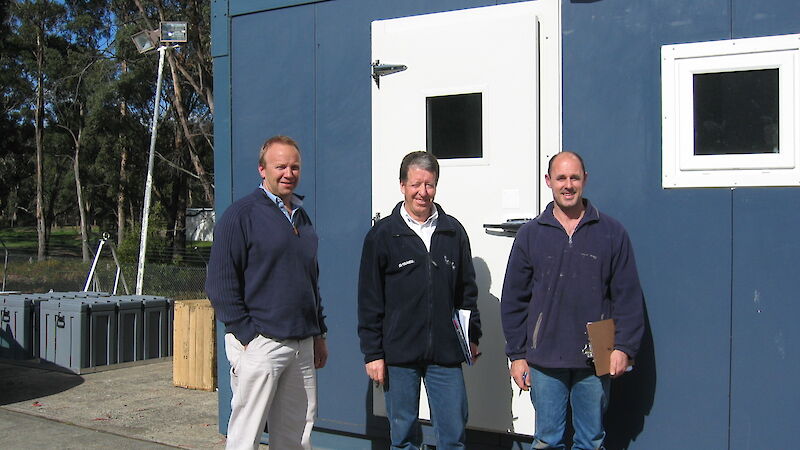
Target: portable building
(686, 114)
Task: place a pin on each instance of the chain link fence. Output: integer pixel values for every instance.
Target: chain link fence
(64, 274)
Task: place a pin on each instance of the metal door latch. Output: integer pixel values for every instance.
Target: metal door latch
(507, 228)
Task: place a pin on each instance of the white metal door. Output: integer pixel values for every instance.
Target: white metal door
(494, 54)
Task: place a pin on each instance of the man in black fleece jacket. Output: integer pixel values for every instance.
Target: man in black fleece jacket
(263, 282)
(416, 270)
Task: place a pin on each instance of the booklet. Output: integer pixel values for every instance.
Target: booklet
(461, 324)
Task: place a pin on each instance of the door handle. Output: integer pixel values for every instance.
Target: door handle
(507, 228)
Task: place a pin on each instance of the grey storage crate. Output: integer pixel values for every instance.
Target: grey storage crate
(16, 327)
(78, 333)
(20, 323)
(130, 326)
(157, 324)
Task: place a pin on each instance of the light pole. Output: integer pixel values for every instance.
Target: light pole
(169, 33)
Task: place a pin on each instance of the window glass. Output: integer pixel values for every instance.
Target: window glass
(454, 126)
(736, 112)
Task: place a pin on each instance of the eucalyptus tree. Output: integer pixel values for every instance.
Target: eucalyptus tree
(16, 135)
(191, 93)
(83, 69)
(37, 25)
(185, 145)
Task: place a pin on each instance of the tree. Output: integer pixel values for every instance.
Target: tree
(16, 135)
(192, 68)
(38, 24)
(76, 104)
(72, 94)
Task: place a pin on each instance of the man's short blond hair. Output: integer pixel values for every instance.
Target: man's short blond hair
(279, 139)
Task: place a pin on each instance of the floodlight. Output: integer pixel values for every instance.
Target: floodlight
(145, 40)
(169, 33)
(174, 31)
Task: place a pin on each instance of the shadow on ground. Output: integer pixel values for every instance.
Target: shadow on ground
(28, 380)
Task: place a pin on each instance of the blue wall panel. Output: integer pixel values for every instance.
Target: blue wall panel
(272, 92)
(764, 393)
(220, 30)
(223, 177)
(611, 115)
(343, 218)
(765, 18)
(764, 397)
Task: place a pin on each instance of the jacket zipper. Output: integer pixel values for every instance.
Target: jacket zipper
(429, 350)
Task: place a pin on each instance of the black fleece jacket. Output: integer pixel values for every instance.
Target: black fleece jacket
(407, 295)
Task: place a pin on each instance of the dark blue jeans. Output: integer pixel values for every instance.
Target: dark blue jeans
(447, 399)
(586, 393)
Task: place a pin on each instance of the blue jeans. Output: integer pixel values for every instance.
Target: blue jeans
(588, 396)
(447, 399)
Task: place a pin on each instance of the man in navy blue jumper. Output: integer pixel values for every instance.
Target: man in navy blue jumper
(263, 282)
(569, 266)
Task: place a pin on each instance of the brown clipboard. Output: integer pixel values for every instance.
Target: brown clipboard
(601, 338)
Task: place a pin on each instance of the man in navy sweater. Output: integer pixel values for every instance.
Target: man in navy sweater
(263, 283)
(569, 266)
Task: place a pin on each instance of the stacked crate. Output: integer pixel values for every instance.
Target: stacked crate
(84, 330)
(195, 358)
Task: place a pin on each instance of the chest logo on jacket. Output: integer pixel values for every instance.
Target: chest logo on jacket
(405, 263)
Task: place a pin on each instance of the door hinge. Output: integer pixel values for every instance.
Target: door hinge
(379, 70)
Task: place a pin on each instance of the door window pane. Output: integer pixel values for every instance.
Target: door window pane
(454, 126)
(736, 112)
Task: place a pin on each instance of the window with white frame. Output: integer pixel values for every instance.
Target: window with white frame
(730, 113)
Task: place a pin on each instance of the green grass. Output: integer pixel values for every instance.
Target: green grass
(64, 241)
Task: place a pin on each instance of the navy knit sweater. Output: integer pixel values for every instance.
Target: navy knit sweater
(262, 275)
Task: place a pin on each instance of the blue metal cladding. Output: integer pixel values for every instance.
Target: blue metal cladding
(765, 18)
(764, 363)
(344, 126)
(272, 92)
(715, 264)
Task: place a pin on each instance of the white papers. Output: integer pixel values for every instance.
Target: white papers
(461, 325)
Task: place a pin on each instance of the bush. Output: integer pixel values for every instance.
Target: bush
(128, 249)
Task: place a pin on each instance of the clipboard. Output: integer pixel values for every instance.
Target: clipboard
(601, 338)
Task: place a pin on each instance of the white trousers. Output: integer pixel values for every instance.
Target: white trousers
(272, 382)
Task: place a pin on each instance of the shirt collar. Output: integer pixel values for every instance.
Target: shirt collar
(432, 220)
(296, 201)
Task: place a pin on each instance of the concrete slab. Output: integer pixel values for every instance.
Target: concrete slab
(137, 402)
(22, 431)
